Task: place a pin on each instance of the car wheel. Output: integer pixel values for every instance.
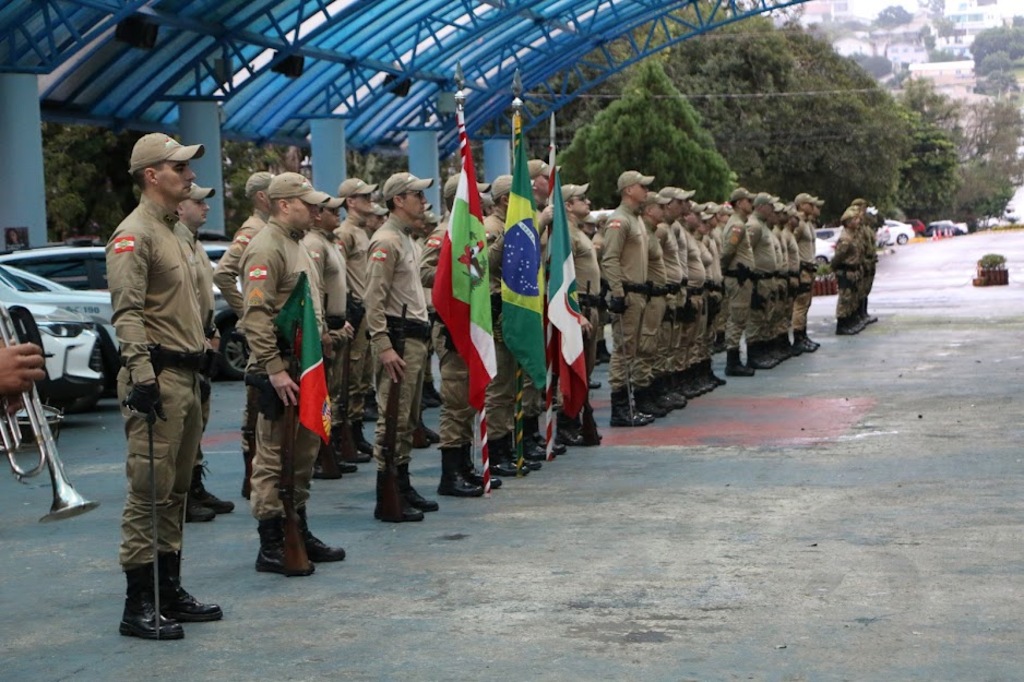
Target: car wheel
(901, 239)
(234, 353)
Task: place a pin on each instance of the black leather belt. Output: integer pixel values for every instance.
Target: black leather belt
(631, 288)
(694, 291)
(192, 362)
(413, 329)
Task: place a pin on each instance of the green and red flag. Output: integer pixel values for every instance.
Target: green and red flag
(564, 310)
(522, 302)
(297, 322)
(461, 291)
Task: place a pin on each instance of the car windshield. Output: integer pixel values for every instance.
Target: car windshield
(18, 283)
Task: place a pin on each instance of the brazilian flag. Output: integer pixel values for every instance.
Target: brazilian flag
(522, 286)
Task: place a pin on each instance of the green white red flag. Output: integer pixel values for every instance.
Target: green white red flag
(297, 322)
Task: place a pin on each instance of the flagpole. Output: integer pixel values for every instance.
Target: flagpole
(549, 384)
(480, 430)
(517, 423)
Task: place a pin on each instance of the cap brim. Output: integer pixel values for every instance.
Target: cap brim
(483, 187)
(584, 188)
(420, 185)
(335, 202)
(187, 152)
(198, 193)
(645, 180)
(315, 197)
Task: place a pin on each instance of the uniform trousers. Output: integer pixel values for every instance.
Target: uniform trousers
(625, 341)
(456, 427)
(738, 304)
(409, 400)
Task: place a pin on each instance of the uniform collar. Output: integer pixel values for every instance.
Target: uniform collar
(261, 216)
(294, 235)
(398, 225)
(158, 212)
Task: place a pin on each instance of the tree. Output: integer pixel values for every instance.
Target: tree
(893, 16)
(878, 67)
(928, 174)
(790, 115)
(942, 56)
(1003, 39)
(651, 128)
(997, 84)
(991, 165)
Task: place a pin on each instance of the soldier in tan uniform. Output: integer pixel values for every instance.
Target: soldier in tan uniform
(353, 240)
(651, 396)
(393, 283)
(270, 267)
(674, 257)
(201, 504)
(694, 317)
(869, 257)
(458, 476)
(847, 263)
(332, 273)
(624, 264)
(163, 350)
(227, 280)
(803, 233)
(763, 250)
(791, 218)
(500, 397)
(714, 293)
(738, 267)
(588, 284)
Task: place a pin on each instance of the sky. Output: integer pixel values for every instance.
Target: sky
(871, 8)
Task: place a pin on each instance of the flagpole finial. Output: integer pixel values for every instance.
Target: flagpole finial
(517, 90)
(460, 83)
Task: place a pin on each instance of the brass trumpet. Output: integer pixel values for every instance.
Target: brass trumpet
(66, 500)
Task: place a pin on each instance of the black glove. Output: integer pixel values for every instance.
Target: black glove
(270, 405)
(617, 305)
(204, 388)
(145, 399)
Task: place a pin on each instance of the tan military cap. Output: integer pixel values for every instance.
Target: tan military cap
(258, 182)
(653, 198)
(451, 186)
(778, 206)
(293, 185)
(712, 208)
(399, 183)
(156, 148)
(501, 186)
(726, 209)
(572, 191)
(763, 198)
(377, 209)
(676, 193)
(538, 168)
(706, 216)
(198, 193)
(859, 202)
(817, 201)
(632, 177)
(850, 214)
(334, 203)
(430, 218)
(803, 198)
(740, 193)
(355, 186)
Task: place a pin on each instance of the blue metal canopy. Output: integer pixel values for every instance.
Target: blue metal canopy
(385, 67)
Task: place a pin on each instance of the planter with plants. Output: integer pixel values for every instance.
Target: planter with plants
(992, 271)
(825, 283)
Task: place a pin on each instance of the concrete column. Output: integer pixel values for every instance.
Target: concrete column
(327, 136)
(424, 162)
(199, 123)
(22, 186)
(497, 157)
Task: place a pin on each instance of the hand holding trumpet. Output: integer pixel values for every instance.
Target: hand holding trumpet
(21, 365)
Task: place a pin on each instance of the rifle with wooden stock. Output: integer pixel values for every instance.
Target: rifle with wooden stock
(296, 562)
(390, 501)
(588, 428)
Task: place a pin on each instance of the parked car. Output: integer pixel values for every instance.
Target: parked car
(946, 227)
(894, 232)
(75, 379)
(919, 227)
(824, 250)
(829, 234)
(85, 267)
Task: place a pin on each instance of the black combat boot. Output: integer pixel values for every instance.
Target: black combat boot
(469, 471)
(843, 327)
(602, 353)
(757, 358)
(673, 397)
(499, 451)
(363, 446)
(646, 403)
(733, 366)
(534, 448)
(175, 602)
(719, 344)
(197, 513)
(620, 411)
(569, 430)
(406, 512)
(540, 437)
(796, 348)
(868, 317)
(316, 550)
(714, 378)
(453, 483)
(701, 380)
(688, 383)
(370, 413)
(809, 345)
(271, 555)
(198, 493)
(139, 617)
(409, 493)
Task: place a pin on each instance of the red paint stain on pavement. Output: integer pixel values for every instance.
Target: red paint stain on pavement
(746, 422)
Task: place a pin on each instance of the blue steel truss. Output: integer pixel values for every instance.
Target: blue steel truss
(384, 66)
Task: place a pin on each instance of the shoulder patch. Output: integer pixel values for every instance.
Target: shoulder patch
(614, 224)
(242, 239)
(258, 272)
(124, 244)
(315, 255)
(434, 242)
(379, 255)
(256, 298)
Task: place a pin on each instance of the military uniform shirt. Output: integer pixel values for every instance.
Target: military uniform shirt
(695, 272)
(670, 253)
(792, 250)
(331, 268)
(781, 256)
(152, 289)
(760, 238)
(656, 271)
(847, 255)
(714, 271)
(624, 258)
(804, 235)
(584, 260)
(392, 281)
(429, 255)
(202, 271)
(354, 243)
(270, 269)
(226, 275)
(736, 246)
(494, 227)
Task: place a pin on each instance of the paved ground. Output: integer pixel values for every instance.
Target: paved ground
(850, 515)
